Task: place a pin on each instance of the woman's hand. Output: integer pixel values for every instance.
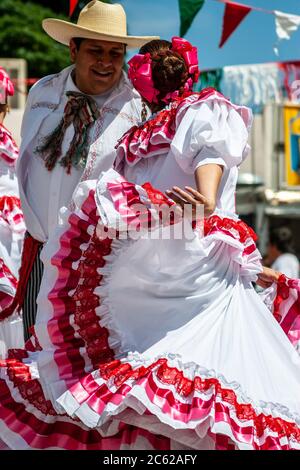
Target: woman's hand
(267, 277)
(191, 197)
(207, 179)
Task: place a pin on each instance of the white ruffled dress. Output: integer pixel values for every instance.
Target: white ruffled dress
(152, 342)
(12, 229)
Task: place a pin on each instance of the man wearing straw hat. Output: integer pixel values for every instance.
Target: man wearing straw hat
(71, 124)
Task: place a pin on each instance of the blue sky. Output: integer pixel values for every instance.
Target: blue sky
(251, 43)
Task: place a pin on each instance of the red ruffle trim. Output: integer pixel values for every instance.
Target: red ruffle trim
(288, 314)
(164, 122)
(66, 434)
(10, 210)
(30, 389)
(284, 284)
(8, 148)
(29, 253)
(283, 291)
(5, 299)
(234, 228)
(119, 373)
(157, 197)
(8, 203)
(95, 337)
(89, 336)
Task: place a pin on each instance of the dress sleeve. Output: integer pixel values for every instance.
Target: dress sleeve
(213, 131)
(8, 148)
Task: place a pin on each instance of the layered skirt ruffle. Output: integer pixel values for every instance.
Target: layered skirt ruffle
(283, 300)
(150, 343)
(12, 229)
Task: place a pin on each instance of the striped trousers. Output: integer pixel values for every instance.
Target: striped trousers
(29, 307)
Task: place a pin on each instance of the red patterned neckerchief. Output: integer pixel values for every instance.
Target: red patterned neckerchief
(82, 111)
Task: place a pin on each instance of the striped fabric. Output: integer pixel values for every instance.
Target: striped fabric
(29, 306)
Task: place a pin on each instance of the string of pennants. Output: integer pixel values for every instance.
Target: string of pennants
(72, 6)
(254, 85)
(234, 14)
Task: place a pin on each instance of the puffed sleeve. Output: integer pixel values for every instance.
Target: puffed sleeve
(8, 148)
(213, 131)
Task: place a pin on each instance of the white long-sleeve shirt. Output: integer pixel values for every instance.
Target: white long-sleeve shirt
(43, 193)
(57, 184)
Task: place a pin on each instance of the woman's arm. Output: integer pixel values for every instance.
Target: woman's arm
(207, 179)
(267, 277)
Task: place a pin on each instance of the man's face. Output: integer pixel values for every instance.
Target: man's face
(98, 65)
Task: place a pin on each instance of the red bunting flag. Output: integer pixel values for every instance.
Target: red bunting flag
(233, 15)
(73, 5)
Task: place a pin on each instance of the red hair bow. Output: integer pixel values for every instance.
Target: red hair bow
(140, 74)
(189, 54)
(6, 86)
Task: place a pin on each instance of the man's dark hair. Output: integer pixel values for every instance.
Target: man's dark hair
(282, 238)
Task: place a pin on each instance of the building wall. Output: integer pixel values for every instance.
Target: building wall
(13, 122)
(266, 157)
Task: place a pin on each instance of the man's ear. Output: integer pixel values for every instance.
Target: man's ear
(73, 50)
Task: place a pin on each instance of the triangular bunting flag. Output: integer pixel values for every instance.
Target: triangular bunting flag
(73, 5)
(233, 15)
(286, 24)
(188, 9)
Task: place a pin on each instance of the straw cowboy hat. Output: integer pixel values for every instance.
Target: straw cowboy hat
(97, 20)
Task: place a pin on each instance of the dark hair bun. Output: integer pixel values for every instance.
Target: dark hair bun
(169, 70)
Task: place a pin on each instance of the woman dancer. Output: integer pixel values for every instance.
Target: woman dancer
(198, 352)
(12, 226)
(166, 335)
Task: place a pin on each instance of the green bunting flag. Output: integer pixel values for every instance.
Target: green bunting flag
(210, 78)
(188, 10)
